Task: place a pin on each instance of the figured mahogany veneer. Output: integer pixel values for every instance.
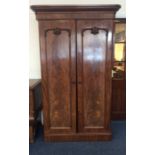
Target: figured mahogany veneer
(76, 44)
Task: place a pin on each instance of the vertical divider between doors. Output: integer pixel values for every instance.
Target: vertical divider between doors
(76, 71)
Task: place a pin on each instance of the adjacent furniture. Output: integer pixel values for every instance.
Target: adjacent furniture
(76, 44)
(119, 71)
(34, 106)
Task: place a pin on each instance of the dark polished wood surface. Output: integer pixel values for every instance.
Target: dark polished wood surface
(57, 12)
(33, 110)
(94, 42)
(76, 58)
(33, 83)
(58, 49)
(74, 8)
(118, 99)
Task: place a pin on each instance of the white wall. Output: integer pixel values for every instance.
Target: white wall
(34, 54)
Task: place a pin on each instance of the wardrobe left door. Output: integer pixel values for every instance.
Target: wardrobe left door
(57, 48)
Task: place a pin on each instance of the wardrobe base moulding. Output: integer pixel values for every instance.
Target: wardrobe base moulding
(106, 136)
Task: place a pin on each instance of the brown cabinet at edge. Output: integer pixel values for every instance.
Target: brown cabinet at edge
(119, 68)
(76, 60)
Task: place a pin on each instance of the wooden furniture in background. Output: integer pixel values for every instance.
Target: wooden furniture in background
(76, 45)
(34, 106)
(119, 72)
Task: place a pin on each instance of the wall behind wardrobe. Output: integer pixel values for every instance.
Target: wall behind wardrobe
(34, 54)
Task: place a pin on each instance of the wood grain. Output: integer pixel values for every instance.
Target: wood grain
(93, 52)
(76, 55)
(59, 51)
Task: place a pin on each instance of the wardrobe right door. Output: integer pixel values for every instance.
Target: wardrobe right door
(94, 57)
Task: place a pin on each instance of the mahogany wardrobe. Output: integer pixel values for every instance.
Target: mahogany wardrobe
(76, 46)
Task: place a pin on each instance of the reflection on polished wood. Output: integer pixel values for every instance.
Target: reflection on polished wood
(93, 71)
(76, 63)
(119, 72)
(59, 47)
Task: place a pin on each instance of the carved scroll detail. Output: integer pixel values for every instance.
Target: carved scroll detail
(57, 31)
(95, 30)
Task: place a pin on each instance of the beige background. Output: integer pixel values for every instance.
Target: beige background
(34, 54)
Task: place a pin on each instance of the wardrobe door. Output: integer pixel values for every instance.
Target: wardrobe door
(57, 40)
(94, 50)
